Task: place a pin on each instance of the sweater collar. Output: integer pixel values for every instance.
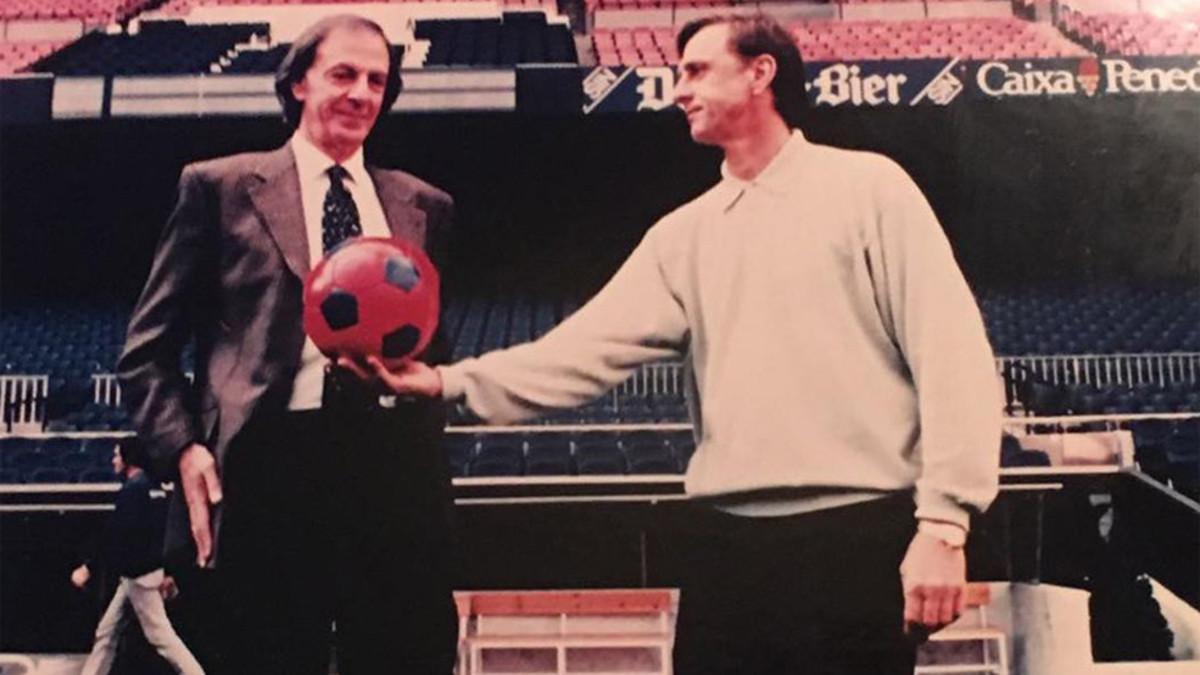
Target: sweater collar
(774, 178)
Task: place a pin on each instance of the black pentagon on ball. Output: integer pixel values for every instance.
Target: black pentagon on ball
(401, 273)
(340, 309)
(400, 342)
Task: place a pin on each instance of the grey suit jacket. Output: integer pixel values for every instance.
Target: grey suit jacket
(229, 273)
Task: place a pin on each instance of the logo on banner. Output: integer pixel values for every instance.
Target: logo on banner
(838, 84)
(1122, 77)
(657, 87)
(1089, 76)
(943, 88)
(997, 78)
(598, 83)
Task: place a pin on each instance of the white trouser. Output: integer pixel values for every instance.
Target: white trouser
(142, 593)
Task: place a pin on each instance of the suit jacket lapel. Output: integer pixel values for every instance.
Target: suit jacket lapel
(404, 219)
(277, 199)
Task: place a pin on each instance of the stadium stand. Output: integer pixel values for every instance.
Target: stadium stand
(174, 47)
(515, 37)
(89, 11)
(158, 47)
(835, 40)
(16, 56)
(1118, 351)
(1142, 34)
(184, 7)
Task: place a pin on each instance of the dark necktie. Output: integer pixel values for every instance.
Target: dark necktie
(339, 221)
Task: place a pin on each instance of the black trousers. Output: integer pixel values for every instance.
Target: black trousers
(813, 593)
(337, 517)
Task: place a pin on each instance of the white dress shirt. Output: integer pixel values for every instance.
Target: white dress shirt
(312, 166)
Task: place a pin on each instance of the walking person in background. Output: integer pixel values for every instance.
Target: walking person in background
(132, 547)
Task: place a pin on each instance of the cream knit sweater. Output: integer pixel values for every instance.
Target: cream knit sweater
(831, 338)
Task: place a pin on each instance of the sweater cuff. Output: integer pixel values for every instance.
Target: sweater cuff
(453, 386)
(949, 534)
(942, 508)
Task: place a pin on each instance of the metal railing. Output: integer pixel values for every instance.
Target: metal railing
(23, 397)
(23, 402)
(1100, 370)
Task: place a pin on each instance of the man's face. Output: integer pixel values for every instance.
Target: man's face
(342, 92)
(714, 87)
(118, 463)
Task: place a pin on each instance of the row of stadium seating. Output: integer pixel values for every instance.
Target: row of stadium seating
(1119, 320)
(1045, 399)
(523, 37)
(19, 55)
(1168, 450)
(1133, 34)
(91, 11)
(829, 40)
(76, 341)
(160, 47)
(173, 47)
(184, 7)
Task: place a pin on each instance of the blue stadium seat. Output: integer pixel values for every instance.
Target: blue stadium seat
(498, 460)
(50, 474)
(651, 458)
(97, 475)
(549, 455)
(600, 459)
(460, 450)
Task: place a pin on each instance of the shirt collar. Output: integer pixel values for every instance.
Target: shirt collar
(312, 163)
(775, 176)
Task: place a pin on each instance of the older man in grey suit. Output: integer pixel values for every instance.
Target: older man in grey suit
(316, 504)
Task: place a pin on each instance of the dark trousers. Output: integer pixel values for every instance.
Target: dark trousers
(813, 593)
(337, 517)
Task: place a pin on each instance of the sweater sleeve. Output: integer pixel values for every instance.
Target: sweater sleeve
(937, 326)
(634, 319)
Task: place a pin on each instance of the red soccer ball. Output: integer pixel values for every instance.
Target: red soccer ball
(372, 296)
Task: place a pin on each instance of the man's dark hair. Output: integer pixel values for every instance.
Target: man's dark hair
(751, 36)
(133, 452)
(304, 51)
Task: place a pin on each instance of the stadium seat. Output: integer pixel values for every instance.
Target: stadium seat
(96, 475)
(50, 474)
(651, 458)
(549, 457)
(497, 460)
(600, 459)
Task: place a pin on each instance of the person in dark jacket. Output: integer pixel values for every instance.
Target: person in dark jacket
(132, 547)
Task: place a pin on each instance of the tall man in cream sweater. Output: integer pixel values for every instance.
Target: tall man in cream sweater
(842, 387)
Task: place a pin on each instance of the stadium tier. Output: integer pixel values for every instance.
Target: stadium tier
(89, 11)
(175, 47)
(833, 40)
(74, 341)
(1133, 34)
(523, 37)
(1168, 450)
(183, 7)
(160, 47)
(19, 55)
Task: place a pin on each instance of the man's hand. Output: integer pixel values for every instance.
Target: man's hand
(411, 378)
(80, 576)
(201, 491)
(168, 589)
(934, 575)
